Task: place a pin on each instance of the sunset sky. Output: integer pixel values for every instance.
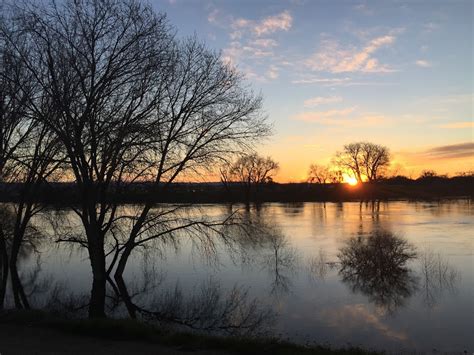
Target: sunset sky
(332, 72)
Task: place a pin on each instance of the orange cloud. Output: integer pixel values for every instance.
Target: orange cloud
(340, 118)
(320, 116)
(466, 124)
(319, 100)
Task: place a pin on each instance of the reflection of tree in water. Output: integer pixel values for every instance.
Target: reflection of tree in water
(209, 308)
(376, 266)
(319, 265)
(18, 244)
(261, 243)
(436, 277)
(206, 308)
(293, 209)
(280, 260)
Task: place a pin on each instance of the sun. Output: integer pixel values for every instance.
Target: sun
(350, 180)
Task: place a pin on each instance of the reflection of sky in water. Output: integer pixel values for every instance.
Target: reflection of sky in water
(305, 287)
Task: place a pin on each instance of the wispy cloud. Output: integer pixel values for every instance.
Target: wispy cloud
(264, 42)
(462, 150)
(335, 58)
(423, 63)
(332, 82)
(236, 52)
(251, 44)
(214, 16)
(321, 81)
(273, 72)
(364, 9)
(430, 27)
(354, 315)
(454, 125)
(321, 100)
(320, 116)
(282, 21)
(268, 25)
(457, 99)
(346, 117)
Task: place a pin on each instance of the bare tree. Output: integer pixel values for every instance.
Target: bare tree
(28, 157)
(429, 175)
(15, 91)
(320, 174)
(377, 265)
(128, 102)
(205, 116)
(13, 131)
(94, 62)
(251, 171)
(363, 160)
(436, 277)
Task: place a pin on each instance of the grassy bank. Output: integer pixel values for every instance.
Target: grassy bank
(131, 330)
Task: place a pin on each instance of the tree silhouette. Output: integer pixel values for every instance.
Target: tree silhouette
(251, 171)
(363, 159)
(376, 265)
(323, 174)
(29, 156)
(128, 102)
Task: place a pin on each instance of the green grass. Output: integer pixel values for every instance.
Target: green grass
(132, 330)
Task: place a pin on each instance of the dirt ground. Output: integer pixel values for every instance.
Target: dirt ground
(32, 340)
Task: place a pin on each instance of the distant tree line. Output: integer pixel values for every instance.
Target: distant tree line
(365, 162)
(251, 172)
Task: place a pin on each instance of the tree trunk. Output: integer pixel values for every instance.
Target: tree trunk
(132, 310)
(97, 300)
(118, 276)
(99, 274)
(19, 295)
(4, 268)
(21, 301)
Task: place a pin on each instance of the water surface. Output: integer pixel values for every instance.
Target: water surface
(425, 303)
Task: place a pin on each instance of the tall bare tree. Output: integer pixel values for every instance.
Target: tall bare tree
(205, 115)
(363, 160)
(29, 155)
(93, 62)
(128, 102)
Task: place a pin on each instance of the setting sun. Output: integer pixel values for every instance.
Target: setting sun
(350, 180)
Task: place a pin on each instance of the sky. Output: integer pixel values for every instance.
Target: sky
(333, 72)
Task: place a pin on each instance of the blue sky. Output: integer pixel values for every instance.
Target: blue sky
(332, 72)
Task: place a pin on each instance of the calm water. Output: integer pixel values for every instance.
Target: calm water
(424, 303)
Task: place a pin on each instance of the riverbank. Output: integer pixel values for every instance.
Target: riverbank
(393, 189)
(28, 332)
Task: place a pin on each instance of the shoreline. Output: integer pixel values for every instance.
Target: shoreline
(67, 194)
(132, 335)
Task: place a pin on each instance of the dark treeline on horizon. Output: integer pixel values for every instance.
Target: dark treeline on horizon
(399, 187)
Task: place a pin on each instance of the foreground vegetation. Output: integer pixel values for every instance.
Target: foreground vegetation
(132, 330)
